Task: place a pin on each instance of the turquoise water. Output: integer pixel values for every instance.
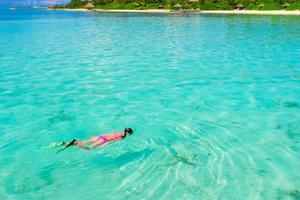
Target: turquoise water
(214, 102)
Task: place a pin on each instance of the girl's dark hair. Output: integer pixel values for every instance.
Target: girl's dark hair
(128, 130)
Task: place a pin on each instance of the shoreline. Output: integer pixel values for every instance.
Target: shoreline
(249, 12)
(253, 12)
(115, 10)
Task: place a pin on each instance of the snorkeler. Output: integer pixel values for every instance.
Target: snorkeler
(99, 140)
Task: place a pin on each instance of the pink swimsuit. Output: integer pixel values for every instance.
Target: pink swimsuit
(103, 137)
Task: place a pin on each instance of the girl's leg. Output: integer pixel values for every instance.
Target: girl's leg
(91, 140)
(97, 143)
(81, 145)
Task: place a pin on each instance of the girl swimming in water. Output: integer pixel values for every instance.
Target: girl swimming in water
(99, 140)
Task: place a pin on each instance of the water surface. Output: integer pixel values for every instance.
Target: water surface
(214, 101)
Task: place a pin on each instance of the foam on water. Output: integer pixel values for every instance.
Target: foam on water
(214, 102)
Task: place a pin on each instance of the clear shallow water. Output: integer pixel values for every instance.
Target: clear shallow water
(214, 101)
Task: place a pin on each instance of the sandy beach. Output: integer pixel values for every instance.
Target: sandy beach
(249, 12)
(253, 12)
(116, 11)
(135, 11)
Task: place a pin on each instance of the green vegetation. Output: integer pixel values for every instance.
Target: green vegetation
(201, 4)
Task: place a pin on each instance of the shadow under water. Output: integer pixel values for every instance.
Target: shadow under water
(180, 159)
(123, 159)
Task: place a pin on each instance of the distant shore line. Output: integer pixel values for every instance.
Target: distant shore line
(251, 12)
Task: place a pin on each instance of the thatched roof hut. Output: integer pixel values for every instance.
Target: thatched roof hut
(89, 6)
(160, 6)
(177, 6)
(285, 5)
(240, 6)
